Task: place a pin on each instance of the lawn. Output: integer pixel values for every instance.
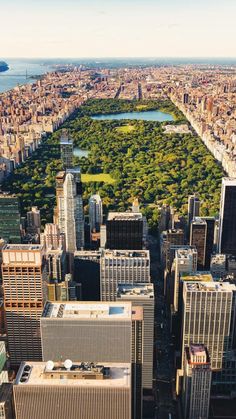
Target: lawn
(140, 107)
(101, 177)
(125, 129)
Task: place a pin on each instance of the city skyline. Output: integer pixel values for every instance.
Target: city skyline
(118, 29)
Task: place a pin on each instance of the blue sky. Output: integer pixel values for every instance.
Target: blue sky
(117, 28)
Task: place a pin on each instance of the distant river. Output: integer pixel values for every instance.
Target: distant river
(17, 72)
(144, 116)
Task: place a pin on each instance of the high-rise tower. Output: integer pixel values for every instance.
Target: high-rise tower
(25, 288)
(227, 233)
(95, 212)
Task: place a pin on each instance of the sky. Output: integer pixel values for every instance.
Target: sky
(117, 28)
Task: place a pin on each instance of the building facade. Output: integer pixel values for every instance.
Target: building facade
(227, 231)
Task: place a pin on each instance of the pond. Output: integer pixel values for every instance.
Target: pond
(80, 153)
(144, 116)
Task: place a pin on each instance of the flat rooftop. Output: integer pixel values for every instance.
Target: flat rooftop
(88, 310)
(135, 291)
(204, 276)
(23, 247)
(125, 216)
(50, 373)
(210, 286)
(126, 253)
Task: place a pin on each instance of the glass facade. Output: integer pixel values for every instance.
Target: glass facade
(10, 219)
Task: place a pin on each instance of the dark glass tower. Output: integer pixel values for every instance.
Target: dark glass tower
(10, 218)
(227, 234)
(125, 231)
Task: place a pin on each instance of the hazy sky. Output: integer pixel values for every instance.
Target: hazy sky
(117, 28)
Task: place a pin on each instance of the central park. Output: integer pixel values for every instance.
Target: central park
(125, 159)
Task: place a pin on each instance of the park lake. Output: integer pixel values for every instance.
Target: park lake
(157, 116)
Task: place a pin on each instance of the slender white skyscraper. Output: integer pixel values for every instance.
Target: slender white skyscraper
(73, 214)
(95, 212)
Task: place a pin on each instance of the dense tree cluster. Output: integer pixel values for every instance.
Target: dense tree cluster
(146, 163)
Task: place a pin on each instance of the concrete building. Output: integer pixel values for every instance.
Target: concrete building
(6, 401)
(208, 308)
(95, 212)
(33, 221)
(196, 382)
(185, 262)
(25, 289)
(218, 265)
(95, 331)
(143, 295)
(52, 238)
(74, 390)
(122, 267)
(227, 232)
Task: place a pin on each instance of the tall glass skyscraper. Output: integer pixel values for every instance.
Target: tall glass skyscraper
(10, 218)
(227, 234)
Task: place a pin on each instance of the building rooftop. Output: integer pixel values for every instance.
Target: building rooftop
(23, 247)
(210, 286)
(125, 216)
(126, 253)
(135, 291)
(88, 310)
(79, 373)
(203, 276)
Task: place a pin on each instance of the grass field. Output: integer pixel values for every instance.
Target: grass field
(101, 177)
(140, 107)
(125, 129)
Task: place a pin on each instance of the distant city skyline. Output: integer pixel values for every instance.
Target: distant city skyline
(117, 28)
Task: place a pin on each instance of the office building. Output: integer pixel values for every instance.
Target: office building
(218, 265)
(142, 295)
(207, 311)
(198, 238)
(168, 239)
(135, 205)
(95, 331)
(52, 238)
(227, 232)
(125, 230)
(87, 273)
(193, 208)
(56, 264)
(74, 390)
(165, 218)
(33, 221)
(95, 213)
(10, 218)
(185, 262)
(3, 364)
(67, 290)
(122, 267)
(66, 147)
(210, 240)
(69, 214)
(6, 401)
(196, 382)
(25, 288)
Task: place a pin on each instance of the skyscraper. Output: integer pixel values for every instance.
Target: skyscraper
(210, 235)
(142, 295)
(227, 232)
(95, 212)
(66, 146)
(196, 382)
(33, 221)
(207, 311)
(95, 331)
(185, 262)
(25, 288)
(193, 208)
(74, 390)
(69, 213)
(10, 218)
(125, 230)
(198, 238)
(122, 267)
